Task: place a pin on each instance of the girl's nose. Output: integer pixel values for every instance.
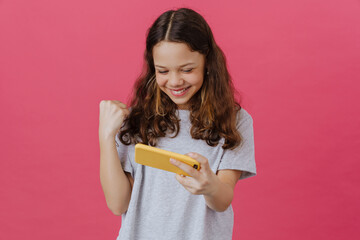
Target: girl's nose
(175, 80)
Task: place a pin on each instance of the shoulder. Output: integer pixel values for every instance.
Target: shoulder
(243, 117)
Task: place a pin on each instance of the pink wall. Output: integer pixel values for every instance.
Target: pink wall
(296, 64)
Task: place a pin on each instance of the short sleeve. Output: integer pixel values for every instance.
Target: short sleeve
(122, 150)
(243, 156)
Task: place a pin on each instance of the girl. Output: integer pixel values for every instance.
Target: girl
(183, 102)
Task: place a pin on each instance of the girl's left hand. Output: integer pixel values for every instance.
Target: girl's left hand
(203, 181)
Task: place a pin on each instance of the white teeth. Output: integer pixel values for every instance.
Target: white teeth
(181, 91)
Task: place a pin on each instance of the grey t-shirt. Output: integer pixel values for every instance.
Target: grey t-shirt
(161, 208)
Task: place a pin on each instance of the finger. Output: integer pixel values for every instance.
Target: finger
(184, 180)
(204, 162)
(188, 183)
(126, 111)
(120, 104)
(185, 167)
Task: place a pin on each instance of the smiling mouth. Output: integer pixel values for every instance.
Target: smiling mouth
(179, 92)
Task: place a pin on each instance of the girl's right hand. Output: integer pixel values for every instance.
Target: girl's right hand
(112, 115)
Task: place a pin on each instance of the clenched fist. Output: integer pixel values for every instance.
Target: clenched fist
(112, 115)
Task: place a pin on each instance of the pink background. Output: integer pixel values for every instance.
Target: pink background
(295, 63)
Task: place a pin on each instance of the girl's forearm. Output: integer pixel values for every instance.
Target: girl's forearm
(114, 182)
(220, 199)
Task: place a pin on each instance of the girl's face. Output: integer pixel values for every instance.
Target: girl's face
(179, 71)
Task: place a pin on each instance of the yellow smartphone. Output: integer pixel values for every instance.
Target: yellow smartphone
(159, 158)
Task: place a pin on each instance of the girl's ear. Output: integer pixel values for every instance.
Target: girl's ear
(206, 70)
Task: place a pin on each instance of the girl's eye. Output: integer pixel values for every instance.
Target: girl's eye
(164, 72)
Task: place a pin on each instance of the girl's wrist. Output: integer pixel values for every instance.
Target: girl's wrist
(215, 186)
(220, 197)
(107, 136)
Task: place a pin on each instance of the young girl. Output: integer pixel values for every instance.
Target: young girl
(183, 102)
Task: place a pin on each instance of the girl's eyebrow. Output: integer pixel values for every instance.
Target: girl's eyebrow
(180, 65)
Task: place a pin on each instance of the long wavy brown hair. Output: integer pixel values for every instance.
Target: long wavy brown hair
(213, 108)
